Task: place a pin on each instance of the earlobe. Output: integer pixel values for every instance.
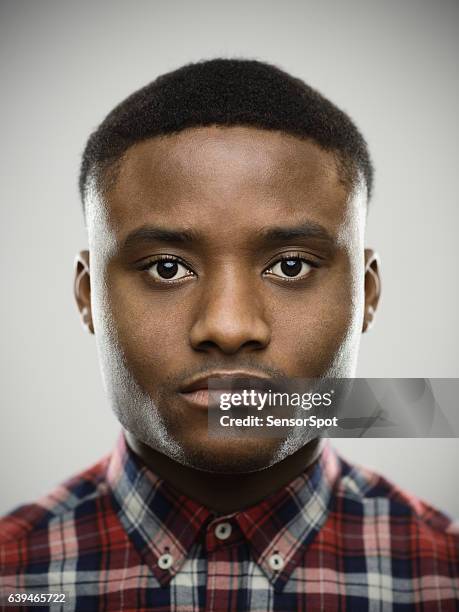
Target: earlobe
(372, 288)
(82, 290)
(368, 319)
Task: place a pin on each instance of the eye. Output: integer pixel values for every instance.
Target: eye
(291, 268)
(167, 269)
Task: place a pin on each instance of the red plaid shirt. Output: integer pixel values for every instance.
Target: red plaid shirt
(338, 537)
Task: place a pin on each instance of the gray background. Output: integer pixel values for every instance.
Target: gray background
(63, 66)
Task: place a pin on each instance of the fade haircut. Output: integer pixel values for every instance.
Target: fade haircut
(225, 92)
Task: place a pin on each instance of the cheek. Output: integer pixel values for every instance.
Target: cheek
(311, 329)
(148, 329)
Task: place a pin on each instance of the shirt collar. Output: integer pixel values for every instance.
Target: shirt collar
(159, 520)
(286, 522)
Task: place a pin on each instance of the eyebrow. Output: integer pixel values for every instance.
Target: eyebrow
(149, 234)
(307, 230)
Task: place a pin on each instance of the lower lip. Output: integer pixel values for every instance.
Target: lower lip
(204, 398)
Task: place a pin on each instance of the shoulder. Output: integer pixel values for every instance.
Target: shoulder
(380, 502)
(81, 491)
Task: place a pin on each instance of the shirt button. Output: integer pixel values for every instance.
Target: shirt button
(165, 561)
(276, 562)
(223, 531)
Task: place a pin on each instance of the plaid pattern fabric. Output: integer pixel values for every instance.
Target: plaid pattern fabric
(338, 537)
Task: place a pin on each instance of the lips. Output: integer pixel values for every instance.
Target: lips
(196, 391)
(233, 380)
(205, 398)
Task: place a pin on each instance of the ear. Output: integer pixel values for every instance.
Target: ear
(372, 288)
(82, 290)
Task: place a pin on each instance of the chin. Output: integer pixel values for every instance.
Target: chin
(230, 456)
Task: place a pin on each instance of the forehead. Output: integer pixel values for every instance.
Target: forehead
(226, 178)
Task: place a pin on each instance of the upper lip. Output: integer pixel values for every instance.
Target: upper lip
(203, 381)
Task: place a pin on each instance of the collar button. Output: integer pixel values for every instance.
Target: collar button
(276, 562)
(165, 561)
(223, 531)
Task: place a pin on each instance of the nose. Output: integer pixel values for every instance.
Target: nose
(230, 317)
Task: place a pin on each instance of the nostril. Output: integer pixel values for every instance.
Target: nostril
(249, 344)
(207, 345)
(228, 347)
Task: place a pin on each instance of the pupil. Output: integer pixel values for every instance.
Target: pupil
(167, 269)
(291, 267)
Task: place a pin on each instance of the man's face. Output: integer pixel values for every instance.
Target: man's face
(249, 258)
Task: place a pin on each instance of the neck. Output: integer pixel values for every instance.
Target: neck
(226, 493)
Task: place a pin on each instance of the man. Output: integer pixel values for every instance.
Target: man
(225, 205)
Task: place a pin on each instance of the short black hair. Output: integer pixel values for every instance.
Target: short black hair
(226, 92)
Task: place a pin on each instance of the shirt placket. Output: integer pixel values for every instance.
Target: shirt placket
(224, 547)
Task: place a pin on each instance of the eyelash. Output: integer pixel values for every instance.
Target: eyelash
(283, 257)
(287, 257)
(149, 264)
